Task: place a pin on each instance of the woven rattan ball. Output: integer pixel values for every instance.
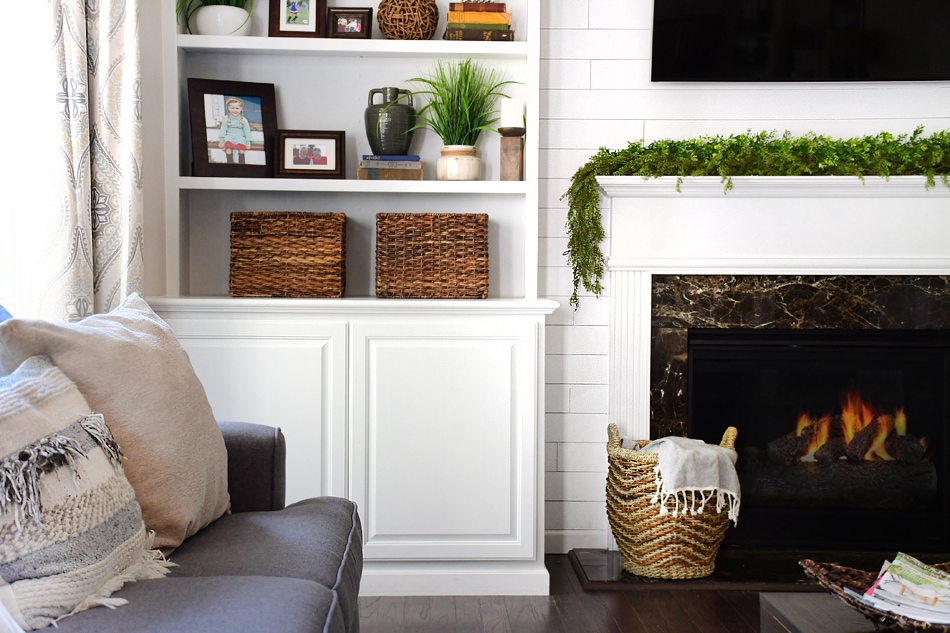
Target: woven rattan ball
(408, 19)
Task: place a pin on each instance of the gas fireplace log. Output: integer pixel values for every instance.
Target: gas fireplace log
(904, 448)
(832, 450)
(790, 447)
(865, 484)
(863, 440)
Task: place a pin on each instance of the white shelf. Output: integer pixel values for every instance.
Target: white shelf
(350, 48)
(243, 307)
(353, 186)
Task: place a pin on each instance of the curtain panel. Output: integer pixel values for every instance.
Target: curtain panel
(92, 253)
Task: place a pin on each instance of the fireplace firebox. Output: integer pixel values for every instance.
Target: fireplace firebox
(842, 433)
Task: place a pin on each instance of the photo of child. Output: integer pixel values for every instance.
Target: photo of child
(235, 130)
(298, 12)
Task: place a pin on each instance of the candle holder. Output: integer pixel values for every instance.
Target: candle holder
(512, 153)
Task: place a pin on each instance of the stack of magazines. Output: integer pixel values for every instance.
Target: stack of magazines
(909, 588)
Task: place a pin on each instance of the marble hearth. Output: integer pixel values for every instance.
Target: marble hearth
(821, 252)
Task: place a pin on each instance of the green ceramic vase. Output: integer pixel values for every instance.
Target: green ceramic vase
(389, 121)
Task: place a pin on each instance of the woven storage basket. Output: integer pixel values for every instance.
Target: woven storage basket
(650, 544)
(432, 255)
(288, 254)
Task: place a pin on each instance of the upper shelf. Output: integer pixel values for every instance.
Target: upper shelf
(353, 186)
(350, 47)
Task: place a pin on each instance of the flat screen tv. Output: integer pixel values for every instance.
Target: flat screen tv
(801, 40)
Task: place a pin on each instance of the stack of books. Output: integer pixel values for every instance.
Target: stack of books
(486, 21)
(389, 167)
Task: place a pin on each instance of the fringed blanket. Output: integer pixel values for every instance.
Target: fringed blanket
(691, 473)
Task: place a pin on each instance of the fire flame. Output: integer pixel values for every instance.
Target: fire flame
(856, 415)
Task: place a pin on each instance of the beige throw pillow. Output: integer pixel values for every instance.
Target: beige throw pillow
(131, 368)
(70, 528)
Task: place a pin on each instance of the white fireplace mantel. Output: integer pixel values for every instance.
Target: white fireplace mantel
(822, 225)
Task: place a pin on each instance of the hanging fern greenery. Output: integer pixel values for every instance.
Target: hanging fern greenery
(749, 154)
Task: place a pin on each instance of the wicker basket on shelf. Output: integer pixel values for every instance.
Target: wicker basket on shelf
(432, 255)
(651, 544)
(408, 19)
(288, 254)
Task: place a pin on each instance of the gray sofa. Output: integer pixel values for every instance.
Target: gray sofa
(262, 568)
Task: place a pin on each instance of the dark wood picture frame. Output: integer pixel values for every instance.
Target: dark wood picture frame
(280, 23)
(328, 146)
(209, 102)
(362, 17)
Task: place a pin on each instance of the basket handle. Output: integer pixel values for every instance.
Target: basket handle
(613, 437)
(729, 438)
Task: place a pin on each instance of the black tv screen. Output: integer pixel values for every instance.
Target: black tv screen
(801, 40)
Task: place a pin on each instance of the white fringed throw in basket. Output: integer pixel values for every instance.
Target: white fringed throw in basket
(691, 473)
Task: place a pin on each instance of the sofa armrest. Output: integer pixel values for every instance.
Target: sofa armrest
(256, 466)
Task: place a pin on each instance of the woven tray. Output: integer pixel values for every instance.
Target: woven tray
(834, 578)
(651, 544)
(432, 255)
(288, 254)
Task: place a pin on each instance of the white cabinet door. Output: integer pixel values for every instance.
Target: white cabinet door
(289, 374)
(444, 445)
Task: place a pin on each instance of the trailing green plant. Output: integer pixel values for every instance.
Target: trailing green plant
(461, 100)
(187, 8)
(748, 154)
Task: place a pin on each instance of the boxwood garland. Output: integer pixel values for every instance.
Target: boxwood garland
(748, 154)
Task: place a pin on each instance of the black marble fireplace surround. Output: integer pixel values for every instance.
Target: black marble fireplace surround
(766, 350)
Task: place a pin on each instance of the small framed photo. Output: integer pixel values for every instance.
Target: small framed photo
(311, 154)
(297, 18)
(351, 23)
(233, 127)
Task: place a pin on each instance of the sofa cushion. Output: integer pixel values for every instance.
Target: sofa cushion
(70, 528)
(225, 604)
(319, 539)
(131, 368)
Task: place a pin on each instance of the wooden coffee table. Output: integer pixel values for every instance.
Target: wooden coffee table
(790, 612)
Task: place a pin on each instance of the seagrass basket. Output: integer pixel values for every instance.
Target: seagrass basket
(288, 254)
(835, 578)
(432, 255)
(651, 544)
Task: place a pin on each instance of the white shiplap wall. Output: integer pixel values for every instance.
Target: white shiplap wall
(596, 92)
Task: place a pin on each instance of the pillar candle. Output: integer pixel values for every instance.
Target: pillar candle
(512, 112)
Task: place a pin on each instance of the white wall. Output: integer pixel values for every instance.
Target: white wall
(596, 92)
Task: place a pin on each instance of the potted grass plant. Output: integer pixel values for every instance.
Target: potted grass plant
(461, 99)
(216, 17)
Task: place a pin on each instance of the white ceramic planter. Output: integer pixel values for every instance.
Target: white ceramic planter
(458, 162)
(222, 20)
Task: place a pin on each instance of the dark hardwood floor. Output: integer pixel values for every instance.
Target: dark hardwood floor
(569, 609)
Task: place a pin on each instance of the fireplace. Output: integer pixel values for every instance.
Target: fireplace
(841, 433)
(840, 260)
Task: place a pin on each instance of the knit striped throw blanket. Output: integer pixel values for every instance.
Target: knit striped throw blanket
(71, 531)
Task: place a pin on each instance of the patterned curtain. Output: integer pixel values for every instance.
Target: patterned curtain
(92, 253)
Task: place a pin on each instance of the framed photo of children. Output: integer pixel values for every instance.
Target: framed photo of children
(311, 154)
(350, 23)
(297, 18)
(233, 127)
